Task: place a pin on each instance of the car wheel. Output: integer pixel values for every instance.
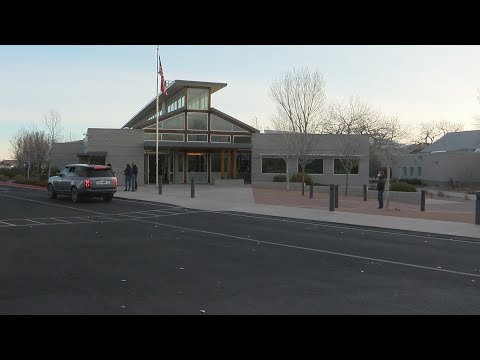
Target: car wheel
(51, 192)
(74, 194)
(107, 198)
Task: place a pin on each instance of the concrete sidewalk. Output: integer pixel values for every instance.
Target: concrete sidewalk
(241, 199)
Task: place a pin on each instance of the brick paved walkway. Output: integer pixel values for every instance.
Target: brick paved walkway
(456, 210)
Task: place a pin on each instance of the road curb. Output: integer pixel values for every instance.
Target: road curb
(24, 186)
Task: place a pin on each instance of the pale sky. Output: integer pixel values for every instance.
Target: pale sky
(104, 86)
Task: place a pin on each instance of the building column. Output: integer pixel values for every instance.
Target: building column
(234, 164)
(229, 164)
(222, 164)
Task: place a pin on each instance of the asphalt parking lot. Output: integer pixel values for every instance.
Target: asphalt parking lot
(132, 257)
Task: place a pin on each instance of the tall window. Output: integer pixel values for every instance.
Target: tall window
(419, 171)
(197, 121)
(411, 170)
(404, 171)
(314, 167)
(197, 99)
(176, 102)
(273, 165)
(339, 169)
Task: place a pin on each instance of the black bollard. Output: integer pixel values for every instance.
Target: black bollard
(311, 190)
(160, 186)
(332, 198)
(364, 192)
(422, 200)
(477, 209)
(193, 187)
(336, 196)
(303, 188)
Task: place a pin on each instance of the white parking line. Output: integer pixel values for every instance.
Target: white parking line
(313, 250)
(36, 222)
(63, 221)
(345, 227)
(8, 224)
(81, 218)
(47, 203)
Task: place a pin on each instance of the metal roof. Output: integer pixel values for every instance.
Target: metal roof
(456, 141)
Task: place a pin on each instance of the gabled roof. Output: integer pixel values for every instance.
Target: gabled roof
(456, 141)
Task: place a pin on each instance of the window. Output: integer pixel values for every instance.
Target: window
(272, 165)
(215, 162)
(404, 171)
(242, 139)
(64, 171)
(99, 173)
(238, 128)
(151, 136)
(411, 170)
(176, 102)
(80, 171)
(197, 163)
(197, 99)
(180, 162)
(339, 169)
(314, 167)
(220, 138)
(173, 137)
(197, 137)
(218, 124)
(419, 169)
(197, 121)
(175, 123)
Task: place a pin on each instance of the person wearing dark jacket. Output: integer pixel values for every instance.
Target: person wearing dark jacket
(128, 176)
(134, 176)
(380, 189)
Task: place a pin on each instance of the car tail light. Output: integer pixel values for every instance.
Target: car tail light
(87, 183)
(116, 182)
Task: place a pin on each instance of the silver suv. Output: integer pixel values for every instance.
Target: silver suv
(83, 180)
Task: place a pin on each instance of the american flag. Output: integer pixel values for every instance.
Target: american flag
(163, 87)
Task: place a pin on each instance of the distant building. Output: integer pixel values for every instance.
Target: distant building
(453, 160)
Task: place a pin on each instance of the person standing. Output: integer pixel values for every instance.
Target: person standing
(134, 176)
(380, 189)
(128, 176)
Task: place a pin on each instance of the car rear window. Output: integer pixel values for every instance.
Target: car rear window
(99, 173)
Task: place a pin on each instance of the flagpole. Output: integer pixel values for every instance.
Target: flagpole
(156, 166)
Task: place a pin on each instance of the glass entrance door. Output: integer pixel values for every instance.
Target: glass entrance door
(197, 167)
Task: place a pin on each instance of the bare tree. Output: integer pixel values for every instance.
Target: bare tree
(255, 122)
(447, 127)
(350, 116)
(72, 136)
(30, 148)
(53, 123)
(348, 153)
(476, 118)
(284, 127)
(429, 132)
(390, 133)
(300, 98)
